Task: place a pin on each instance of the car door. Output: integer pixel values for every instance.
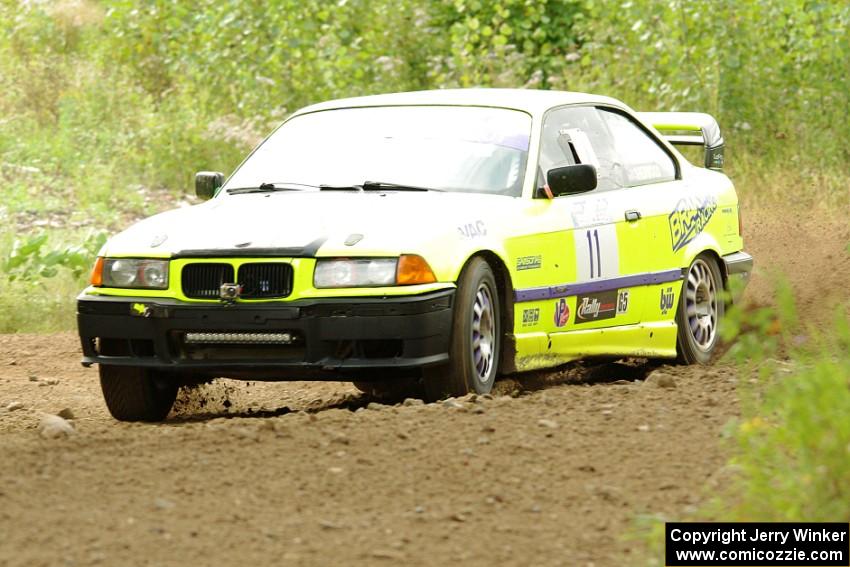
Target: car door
(605, 242)
(655, 191)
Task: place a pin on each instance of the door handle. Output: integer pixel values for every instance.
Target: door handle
(632, 215)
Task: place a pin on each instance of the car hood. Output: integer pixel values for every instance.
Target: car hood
(315, 223)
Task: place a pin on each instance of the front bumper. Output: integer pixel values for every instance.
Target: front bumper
(328, 335)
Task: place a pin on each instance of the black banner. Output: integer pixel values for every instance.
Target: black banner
(745, 544)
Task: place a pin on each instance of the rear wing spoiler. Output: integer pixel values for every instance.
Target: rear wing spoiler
(690, 129)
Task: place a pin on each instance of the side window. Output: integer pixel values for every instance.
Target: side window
(578, 135)
(643, 161)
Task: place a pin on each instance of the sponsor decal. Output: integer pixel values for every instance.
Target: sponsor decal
(530, 317)
(622, 301)
(591, 213)
(473, 229)
(529, 262)
(597, 306)
(562, 312)
(667, 300)
(689, 218)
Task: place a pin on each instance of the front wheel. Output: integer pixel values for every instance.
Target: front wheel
(476, 337)
(701, 308)
(137, 394)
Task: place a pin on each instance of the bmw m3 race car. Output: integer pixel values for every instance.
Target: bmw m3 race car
(439, 237)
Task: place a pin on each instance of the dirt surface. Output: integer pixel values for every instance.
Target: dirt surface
(555, 469)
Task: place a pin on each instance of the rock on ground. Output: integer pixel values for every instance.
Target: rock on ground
(55, 427)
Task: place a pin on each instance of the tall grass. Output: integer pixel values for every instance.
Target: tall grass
(792, 454)
(790, 448)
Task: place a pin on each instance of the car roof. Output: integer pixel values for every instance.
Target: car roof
(532, 101)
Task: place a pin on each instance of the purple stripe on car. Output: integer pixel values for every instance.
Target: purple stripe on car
(565, 290)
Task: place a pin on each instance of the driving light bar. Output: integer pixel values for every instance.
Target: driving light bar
(239, 338)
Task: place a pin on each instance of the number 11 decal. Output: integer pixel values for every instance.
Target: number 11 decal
(596, 253)
(591, 252)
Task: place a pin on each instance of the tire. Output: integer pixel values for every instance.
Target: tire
(137, 394)
(700, 312)
(476, 339)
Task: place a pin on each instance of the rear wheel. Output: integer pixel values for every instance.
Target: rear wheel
(137, 394)
(701, 308)
(476, 337)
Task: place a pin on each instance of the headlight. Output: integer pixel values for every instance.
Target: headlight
(135, 273)
(371, 272)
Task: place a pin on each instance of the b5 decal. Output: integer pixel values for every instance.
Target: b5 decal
(562, 312)
(530, 317)
(668, 298)
(689, 218)
(597, 306)
(622, 301)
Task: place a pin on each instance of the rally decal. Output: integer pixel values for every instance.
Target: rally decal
(689, 218)
(596, 307)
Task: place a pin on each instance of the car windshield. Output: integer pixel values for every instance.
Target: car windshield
(447, 148)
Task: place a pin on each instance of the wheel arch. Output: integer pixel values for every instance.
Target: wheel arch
(706, 244)
(505, 288)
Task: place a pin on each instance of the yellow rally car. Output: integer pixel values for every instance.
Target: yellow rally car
(439, 238)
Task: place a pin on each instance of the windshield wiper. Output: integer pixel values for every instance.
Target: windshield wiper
(270, 188)
(384, 185)
(324, 187)
(376, 186)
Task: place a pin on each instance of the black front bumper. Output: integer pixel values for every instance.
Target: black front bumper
(329, 335)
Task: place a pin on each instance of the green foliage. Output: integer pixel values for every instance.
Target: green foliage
(508, 43)
(40, 280)
(30, 263)
(261, 59)
(794, 439)
(40, 308)
(774, 72)
(791, 446)
(792, 457)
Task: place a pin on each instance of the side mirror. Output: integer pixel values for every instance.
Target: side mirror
(207, 183)
(571, 179)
